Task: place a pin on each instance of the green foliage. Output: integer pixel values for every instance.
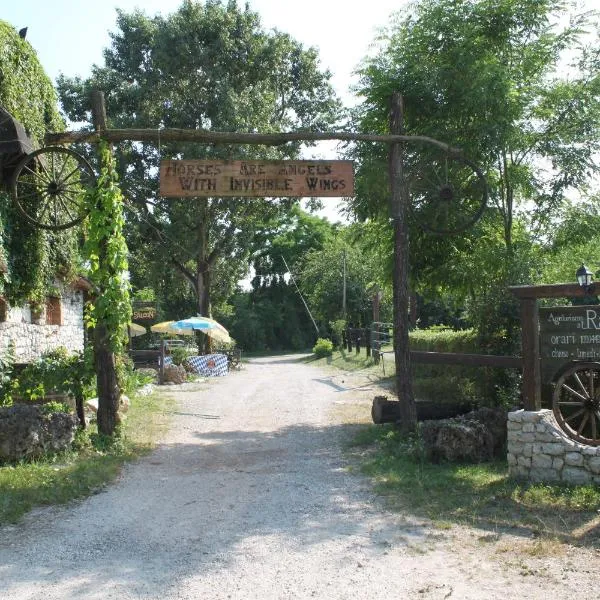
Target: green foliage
(106, 251)
(34, 257)
(438, 339)
(323, 348)
(180, 355)
(57, 371)
(337, 327)
(26, 92)
(55, 407)
(7, 361)
(211, 66)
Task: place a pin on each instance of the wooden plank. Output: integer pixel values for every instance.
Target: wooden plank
(530, 348)
(257, 179)
(467, 360)
(556, 290)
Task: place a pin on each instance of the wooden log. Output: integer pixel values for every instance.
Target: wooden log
(388, 411)
(230, 137)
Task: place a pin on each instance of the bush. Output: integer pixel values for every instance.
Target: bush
(57, 371)
(7, 362)
(323, 348)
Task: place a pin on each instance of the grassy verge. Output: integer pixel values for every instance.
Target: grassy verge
(479, 495)
(350, 361)
(96, 462)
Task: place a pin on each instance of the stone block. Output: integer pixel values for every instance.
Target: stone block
(541, 461)
(558, 463)
(532, 416)
(593, 464)
(553, 449)
(526, 437)
(528, 450)
(540, 475)
(574, 459)
(514, 426)
(511, 459)
(591, 451)
(545, 437)
(516, 416)
(540, 427)
(26, 431)
(511, 435)
(523, 461)
(528, 428)
(576, 475)
(515, 448)
(519, 472)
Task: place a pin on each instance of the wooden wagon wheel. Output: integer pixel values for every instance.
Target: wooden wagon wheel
(576, 402)
(448, 193)
(48, 187)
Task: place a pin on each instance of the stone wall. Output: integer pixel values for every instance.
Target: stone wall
(31, 340)
(539, 450)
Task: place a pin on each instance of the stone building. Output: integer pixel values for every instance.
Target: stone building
(59, 322)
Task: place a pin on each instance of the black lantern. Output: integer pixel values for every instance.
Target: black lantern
(584, 278)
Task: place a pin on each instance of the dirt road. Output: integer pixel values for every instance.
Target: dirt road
(248, 497)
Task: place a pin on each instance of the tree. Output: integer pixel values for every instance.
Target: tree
(486, 77)
(207, 66)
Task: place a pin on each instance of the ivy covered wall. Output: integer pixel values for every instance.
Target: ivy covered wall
(30, 259)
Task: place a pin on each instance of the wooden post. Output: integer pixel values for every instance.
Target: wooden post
(399, 206)
(349, 338)
(367, 337)
(357, 340)
(531, 387)
(109, 394)
(161, 366)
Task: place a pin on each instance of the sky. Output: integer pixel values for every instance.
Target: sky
(70, 35)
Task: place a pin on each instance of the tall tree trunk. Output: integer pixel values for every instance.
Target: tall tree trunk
(400, 200)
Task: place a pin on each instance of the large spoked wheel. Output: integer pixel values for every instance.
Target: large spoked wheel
(576, 402)
(48, 187)
(448, 193)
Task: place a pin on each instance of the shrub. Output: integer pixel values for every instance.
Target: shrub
(7, 362)
(57, 371)
(323, 347)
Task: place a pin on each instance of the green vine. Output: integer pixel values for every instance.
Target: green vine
(30, 259)
(106, 250)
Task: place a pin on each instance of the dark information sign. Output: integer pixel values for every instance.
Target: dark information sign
(568, 333)
(256, 178)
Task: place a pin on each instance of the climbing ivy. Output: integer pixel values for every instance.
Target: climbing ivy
(30, 259)
(26, 92)
(106, 251)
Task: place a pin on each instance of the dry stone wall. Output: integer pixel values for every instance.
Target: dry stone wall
(31, 340)
(539, 450)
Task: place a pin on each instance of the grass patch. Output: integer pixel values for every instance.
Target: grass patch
(95, 462)
(479, 495)
(349, 361)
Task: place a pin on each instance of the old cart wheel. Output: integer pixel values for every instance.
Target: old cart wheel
(576, 402)
(448, 193)
(48, 187)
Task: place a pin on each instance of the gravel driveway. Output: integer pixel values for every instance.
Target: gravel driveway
(248, 497)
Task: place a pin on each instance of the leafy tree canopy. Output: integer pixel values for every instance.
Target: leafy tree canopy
(505, 80)
(208, 65)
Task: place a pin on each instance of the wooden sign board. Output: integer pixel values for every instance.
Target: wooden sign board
(144, 313)
(255, 178)
(568, 333)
